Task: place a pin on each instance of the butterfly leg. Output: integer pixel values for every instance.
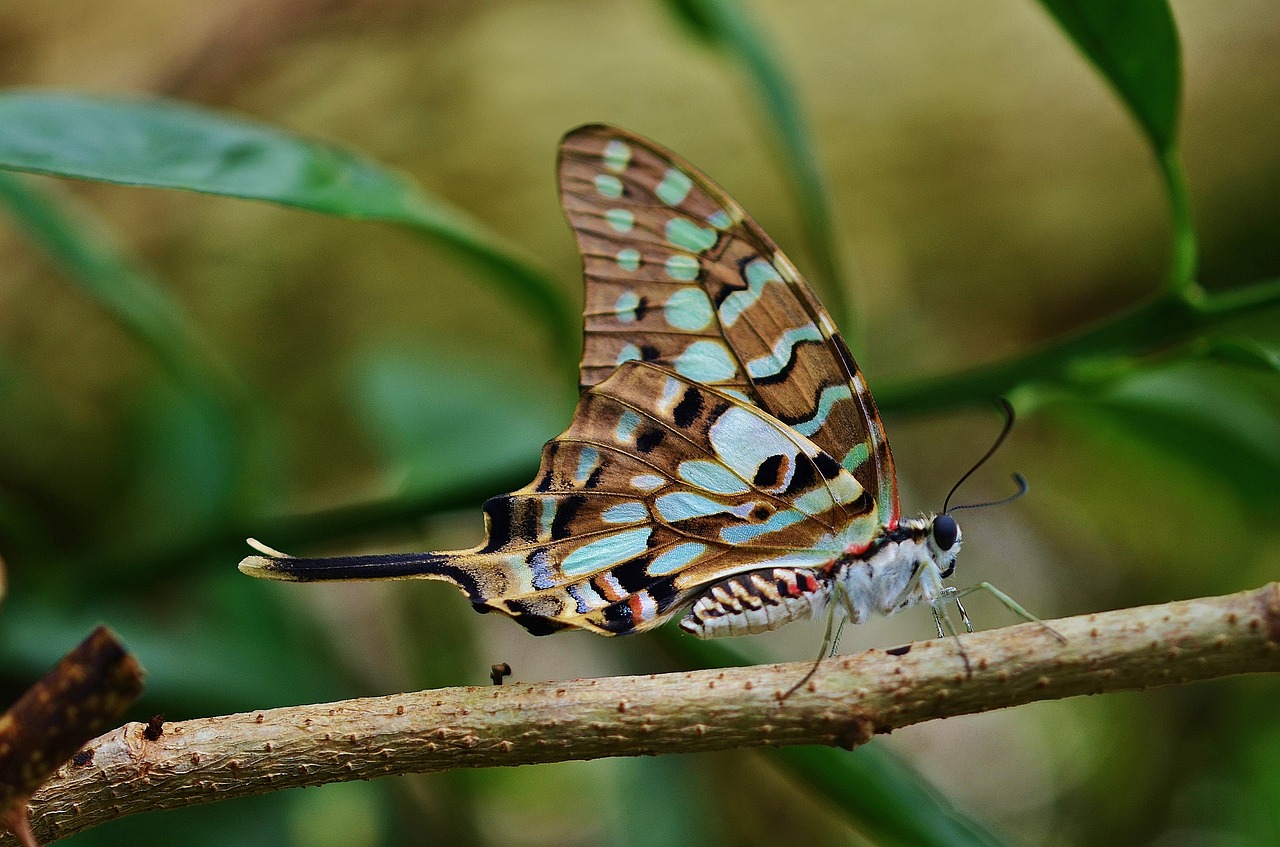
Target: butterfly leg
(1010, 604)
(951, 594)
(941, 618)
(829, 644)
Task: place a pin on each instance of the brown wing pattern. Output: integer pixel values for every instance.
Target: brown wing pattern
(659, 488)
(677, 274)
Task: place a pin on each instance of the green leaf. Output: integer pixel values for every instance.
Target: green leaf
(136, 301)
(166, 144)
(445, 419)
(1244, 351)
(725, 24)
(1134, 44)
(883, 796)
(888, 799)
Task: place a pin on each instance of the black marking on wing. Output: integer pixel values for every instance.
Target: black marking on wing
(803, 476)
(648, 440)
(687, 410)
(642, 308)
(566, 509)
(785, 372)
(827, 466)
(501, 520)
(768, 474)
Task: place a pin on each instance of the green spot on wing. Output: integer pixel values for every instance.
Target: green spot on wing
(674, 187)
(684, 233)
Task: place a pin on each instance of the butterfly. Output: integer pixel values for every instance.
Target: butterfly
(725, 459)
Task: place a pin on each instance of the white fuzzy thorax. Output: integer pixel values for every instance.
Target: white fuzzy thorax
(895, 574)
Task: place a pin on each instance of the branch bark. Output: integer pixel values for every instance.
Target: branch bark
(849, 700)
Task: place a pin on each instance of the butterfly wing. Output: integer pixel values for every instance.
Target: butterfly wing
(659, 488)
(679, 275)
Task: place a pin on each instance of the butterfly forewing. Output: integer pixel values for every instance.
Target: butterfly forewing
(678, 275)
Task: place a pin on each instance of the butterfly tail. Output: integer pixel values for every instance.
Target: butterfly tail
(441, 566)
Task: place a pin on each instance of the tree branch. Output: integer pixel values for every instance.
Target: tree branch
(850, 699)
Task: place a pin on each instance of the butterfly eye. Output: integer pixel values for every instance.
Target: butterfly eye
(945, 532)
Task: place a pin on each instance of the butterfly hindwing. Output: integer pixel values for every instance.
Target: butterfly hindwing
(679, 275)
(659, 488)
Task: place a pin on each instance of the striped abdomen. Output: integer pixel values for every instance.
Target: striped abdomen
(756, 601)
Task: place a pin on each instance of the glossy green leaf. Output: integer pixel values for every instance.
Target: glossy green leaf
(166, 144)
(1134, 44)
(726, 25)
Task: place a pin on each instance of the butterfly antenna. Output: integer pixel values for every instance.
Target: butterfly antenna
(1018, 480)
(1004, 433)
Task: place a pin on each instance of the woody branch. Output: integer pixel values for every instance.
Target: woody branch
(849, 700)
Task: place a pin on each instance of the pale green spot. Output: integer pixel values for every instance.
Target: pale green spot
(627, 423)
(683, 267)
(759, 274)
(617, 155)
(778, 360)
(606, 553)
(629, 259)
(742, 533)
(625, 308)
(588, 461)
(629, 512)
(831, 395)
(712, 476)
(674, 187)
(547, 516)
(689, 309)
(706, 361)
(685, 505)
(855, 457)
(676, 558)
(609, 186)
(629, 353)
(622, 220)
(683, 232)
(720, 219)
(648, 481)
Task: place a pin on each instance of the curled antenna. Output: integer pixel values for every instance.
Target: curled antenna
(1004, 433)
(1018, 480)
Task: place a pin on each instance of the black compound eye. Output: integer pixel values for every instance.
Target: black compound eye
(945, 532)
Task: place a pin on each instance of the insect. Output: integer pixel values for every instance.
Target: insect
(725, 459)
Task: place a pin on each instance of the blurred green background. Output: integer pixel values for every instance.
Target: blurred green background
(178, 371)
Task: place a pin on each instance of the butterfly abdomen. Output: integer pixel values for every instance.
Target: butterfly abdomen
(756, 601)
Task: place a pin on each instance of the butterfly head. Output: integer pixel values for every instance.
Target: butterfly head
(944, 543)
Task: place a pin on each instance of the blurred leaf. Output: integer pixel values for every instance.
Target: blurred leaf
(176, 471)
(888, 800)
(666, 783)
(1244, 351)
(726, 25)
(166, 144)
(880, 794)
(218, 644)
(1134, 44)
(1207, 418)
(135, 300)
(448, 420)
